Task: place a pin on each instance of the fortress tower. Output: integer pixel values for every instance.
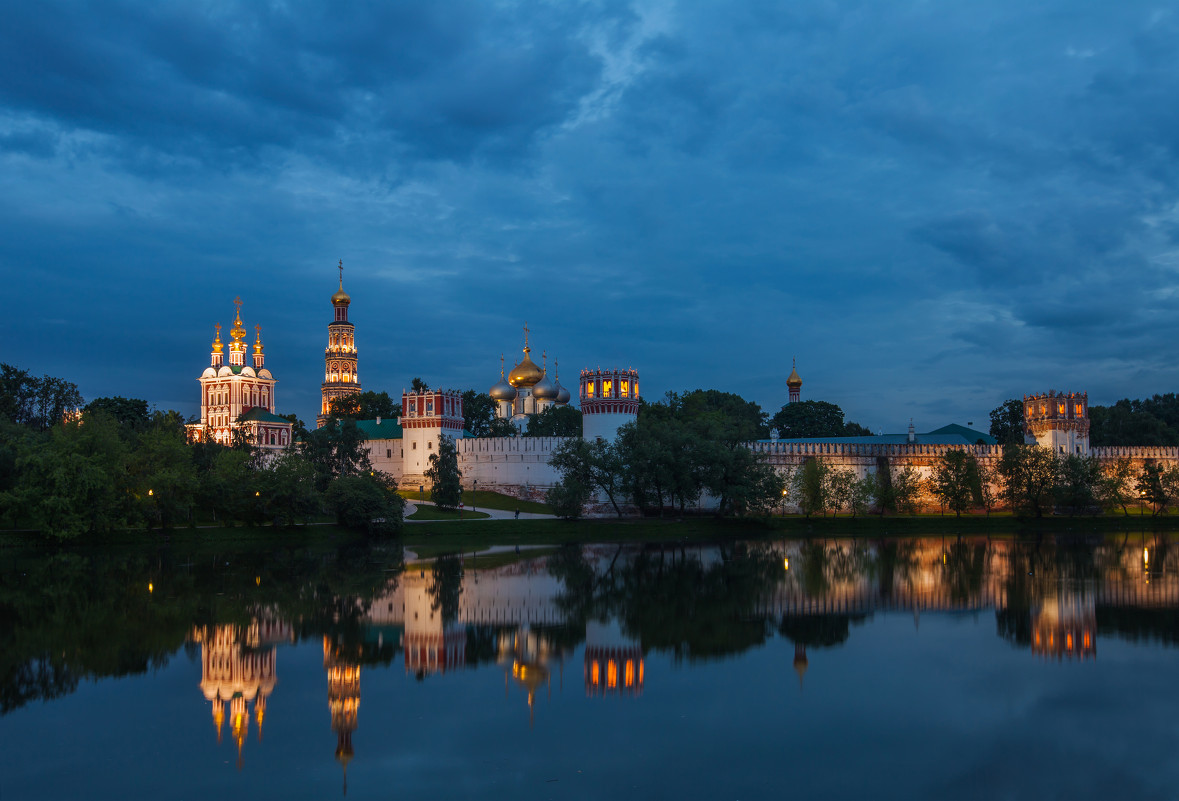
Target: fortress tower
(1058, 421)
(340, 379)
(609, 400)
(426, 417)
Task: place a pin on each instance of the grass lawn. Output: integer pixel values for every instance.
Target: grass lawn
(486, 500)
(434, 513)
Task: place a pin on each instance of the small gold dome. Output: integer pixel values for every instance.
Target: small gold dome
(795, 380)
(526, 373)
(341, 296)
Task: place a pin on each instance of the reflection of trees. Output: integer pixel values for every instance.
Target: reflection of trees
(89, 614)
(670, 600)
(818, 631)
(896, 561)
(966, 567)
(446, 585)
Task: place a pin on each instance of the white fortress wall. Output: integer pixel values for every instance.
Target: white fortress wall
(508, 464)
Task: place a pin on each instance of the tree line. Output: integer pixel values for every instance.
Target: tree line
(114, 464)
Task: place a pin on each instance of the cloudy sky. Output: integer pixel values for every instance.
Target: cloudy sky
(934, 206)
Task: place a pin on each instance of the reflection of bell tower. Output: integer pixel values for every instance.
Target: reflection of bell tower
(429, 645)
(343, 677)
(800, 662)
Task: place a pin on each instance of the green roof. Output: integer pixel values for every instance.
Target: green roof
(387, 429)
(262, 416)
(971, 435)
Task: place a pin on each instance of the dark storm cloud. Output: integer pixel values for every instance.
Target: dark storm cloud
(930, 205)
(439, 80)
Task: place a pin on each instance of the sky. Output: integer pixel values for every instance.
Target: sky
(932, 206)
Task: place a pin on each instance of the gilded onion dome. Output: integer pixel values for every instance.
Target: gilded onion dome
(795, 380)
(563, 395)
(502, 390)
(526, 373)
(217, 346)
(237, 332)
(341, 296)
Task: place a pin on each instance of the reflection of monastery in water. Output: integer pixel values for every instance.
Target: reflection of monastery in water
(237, 668)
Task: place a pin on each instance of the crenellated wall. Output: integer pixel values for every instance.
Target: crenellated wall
(516, 466)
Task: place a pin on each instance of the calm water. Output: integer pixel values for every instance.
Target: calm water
(924, 668)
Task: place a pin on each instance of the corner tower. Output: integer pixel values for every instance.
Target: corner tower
(609, 400)
(339, 360)
(1058, 421)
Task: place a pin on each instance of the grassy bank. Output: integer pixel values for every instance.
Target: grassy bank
(434, 513)
(486, 500)
(448, 536)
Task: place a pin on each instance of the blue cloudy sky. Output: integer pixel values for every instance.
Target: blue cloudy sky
(933, 205)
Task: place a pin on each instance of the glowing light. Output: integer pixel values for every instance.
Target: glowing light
(149, 492)
(150, 588)
(257, 581)
(786, 563)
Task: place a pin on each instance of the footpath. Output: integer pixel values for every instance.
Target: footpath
(493, 514)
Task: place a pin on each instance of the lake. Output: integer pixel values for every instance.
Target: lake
(927, 668)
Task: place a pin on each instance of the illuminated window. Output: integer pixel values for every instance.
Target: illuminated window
(1079, 410)
(1060, 408)
(607, 386)
(611, 674)
(624, 388)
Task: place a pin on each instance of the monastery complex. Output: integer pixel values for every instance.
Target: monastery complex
(238, 400)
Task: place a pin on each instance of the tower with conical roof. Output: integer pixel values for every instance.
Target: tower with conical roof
(794, 382)
(340, 378)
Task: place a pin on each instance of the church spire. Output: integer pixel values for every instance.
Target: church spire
(217, 346)
(237, 348)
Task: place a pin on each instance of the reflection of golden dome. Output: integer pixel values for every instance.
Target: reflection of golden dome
(795, 380)
(526, 373)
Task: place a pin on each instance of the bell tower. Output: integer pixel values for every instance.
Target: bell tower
(339, 360)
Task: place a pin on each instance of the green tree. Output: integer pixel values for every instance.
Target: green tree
(841, 486)
(863, 492)
(38, 403)
(418, 385)
(1007, 422)
(1080, 483)
(336, 449)
(75, 483)
(502, 427)
(131, 413)
(596, 465)
(366, 503)
(811, 486)
(813, 418)
(226, 485)
(555, 421)
(446, 490)
(1153, 421)
(1029, 475)
(1118, 484)
(568, 498)
(478, 412)
(1154, 487)
(368, 405)
(956, 481)
(163, 476)
(286, 490)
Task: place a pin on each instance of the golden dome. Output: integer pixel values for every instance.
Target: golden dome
(217, 346)
(237, 332)
(341, 296)
(795, 380)
(526, 373)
